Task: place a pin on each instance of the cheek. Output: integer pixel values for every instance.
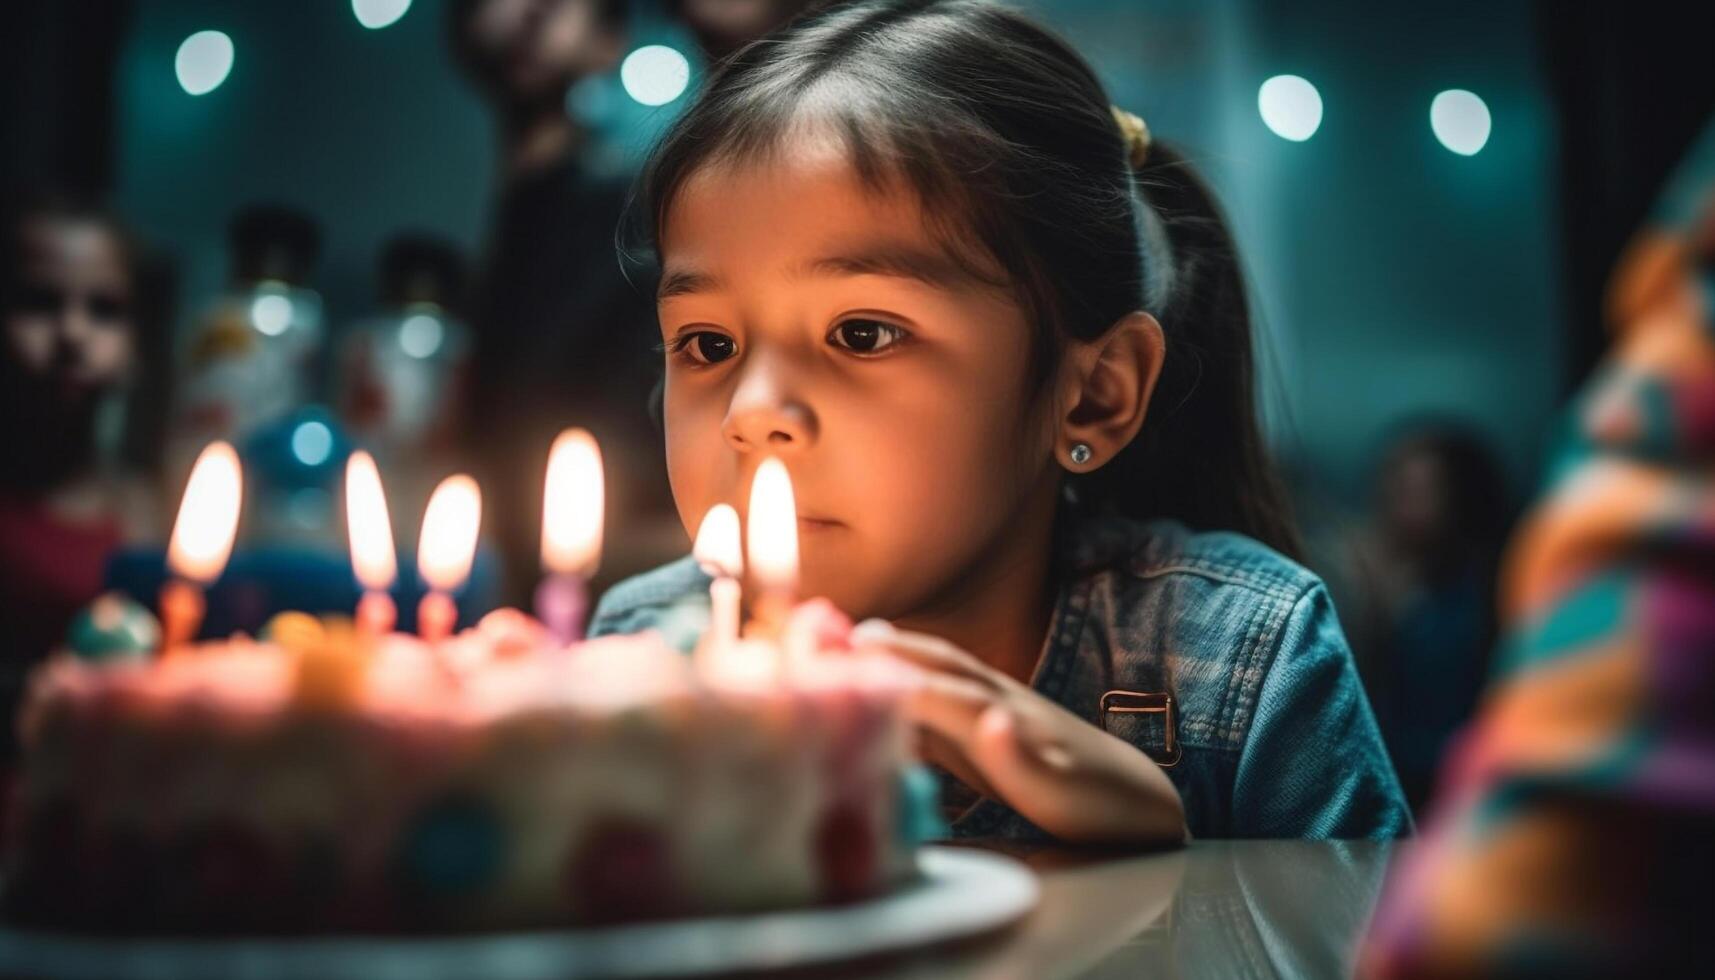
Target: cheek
(108, 353)
(957, 474)
(929, 485)
(30, 342)
(699, 464)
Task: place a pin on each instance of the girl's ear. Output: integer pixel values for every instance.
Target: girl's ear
(1111, 379)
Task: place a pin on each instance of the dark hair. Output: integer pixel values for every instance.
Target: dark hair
(1008, 138)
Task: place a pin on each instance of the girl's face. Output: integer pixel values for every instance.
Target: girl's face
(69, 326)
(814, 319)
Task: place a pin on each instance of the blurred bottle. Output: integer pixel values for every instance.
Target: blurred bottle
(400, 376)
(293, 468)
(250, 357)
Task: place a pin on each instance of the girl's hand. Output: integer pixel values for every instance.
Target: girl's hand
(1003, 739)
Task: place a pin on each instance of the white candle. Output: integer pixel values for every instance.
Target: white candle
(772, 542)
(719, 552)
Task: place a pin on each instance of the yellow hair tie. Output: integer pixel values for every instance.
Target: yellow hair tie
(1136, 134)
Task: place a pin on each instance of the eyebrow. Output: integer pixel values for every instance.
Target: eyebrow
(898, 261)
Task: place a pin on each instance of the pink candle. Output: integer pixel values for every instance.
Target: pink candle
(371, 538)
(202, 541)
(572, 500)
(445, 552)
(436, 617)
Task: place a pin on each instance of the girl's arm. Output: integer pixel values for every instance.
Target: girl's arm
(1064, 774)
(1313, 763)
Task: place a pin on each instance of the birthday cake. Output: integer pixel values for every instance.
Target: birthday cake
(319, 782)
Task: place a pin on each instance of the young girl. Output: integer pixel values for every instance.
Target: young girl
(69, 338)
(1000, 341)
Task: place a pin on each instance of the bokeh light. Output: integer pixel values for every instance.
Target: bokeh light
(203, 62)
(312, 443)
(1460, 120)
(1290, 106)
(655, 74)
(376, 14)
(420, 335)
(272, 314)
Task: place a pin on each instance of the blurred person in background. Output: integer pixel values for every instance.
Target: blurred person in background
(561, 337)
(723, 26)
(1419, 585)
(68, 295)
(1571, 832)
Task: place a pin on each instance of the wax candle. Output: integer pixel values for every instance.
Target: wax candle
(719, 551)
(445, 552)
(572, 500)
(771, 539)
(371, 539)
(201, 542)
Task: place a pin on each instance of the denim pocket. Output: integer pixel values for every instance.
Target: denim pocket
(1149, 721)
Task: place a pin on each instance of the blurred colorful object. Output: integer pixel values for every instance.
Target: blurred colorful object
(114, 627)
(1572, 833)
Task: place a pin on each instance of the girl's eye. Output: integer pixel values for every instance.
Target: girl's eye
(865, 336)
(705, 346)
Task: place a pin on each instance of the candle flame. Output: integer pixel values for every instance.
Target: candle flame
(366, 524)
(773, 532)
(572, 505)
(450, 524)
(720, 547)
(208, 515)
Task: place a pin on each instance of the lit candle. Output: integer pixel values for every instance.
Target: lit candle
(772, 542)
(573, 498)
(371, 544)
(445, 552)
(201, 541)
(719, 551)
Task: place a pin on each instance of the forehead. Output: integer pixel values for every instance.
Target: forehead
(737, 216)
(77, 241)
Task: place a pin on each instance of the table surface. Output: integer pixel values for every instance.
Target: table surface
(1215, 909)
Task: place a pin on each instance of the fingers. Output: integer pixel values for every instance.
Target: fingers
(1077, 788)
(948, 706)
(922, 649)
(937, 751)
(1037, 780)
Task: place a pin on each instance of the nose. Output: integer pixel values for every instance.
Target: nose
(766, 414)
(73, 327)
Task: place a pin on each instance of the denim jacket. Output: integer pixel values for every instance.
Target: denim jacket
(1268, 734)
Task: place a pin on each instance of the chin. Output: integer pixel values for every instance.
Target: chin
(848, 591)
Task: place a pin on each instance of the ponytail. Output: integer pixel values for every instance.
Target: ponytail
(1200, 457)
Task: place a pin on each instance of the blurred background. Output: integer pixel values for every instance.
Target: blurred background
(312, 225)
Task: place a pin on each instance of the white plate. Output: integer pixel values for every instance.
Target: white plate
(962, 893)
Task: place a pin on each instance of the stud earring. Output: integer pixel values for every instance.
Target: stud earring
(1081, 454)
